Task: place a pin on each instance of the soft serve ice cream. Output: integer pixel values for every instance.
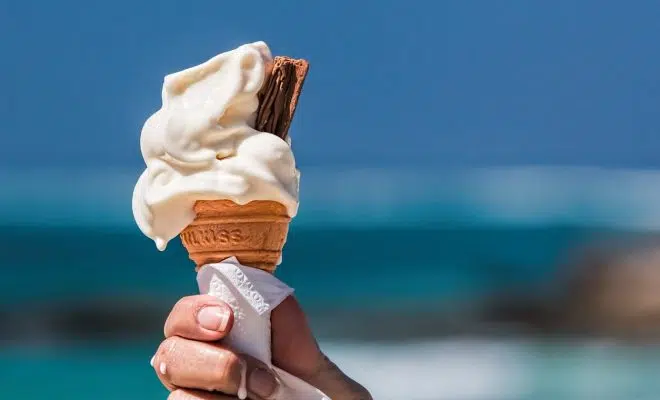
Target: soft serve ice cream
(201, 145)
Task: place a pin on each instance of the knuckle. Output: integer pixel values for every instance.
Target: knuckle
(229, 370)
(184, 303)
(168, 347)
(167, 329)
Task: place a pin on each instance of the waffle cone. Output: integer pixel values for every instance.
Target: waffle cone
(254, 233)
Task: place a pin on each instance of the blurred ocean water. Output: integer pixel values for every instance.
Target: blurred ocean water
(368, 197)
(455, 234)
(388, 242)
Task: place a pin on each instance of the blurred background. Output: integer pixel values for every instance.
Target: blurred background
(480, 192)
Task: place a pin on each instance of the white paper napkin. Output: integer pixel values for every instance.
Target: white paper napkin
(253, 294)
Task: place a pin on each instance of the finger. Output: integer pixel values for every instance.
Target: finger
(200, 317)
(189, 364)
(294, 347)
(183, 394)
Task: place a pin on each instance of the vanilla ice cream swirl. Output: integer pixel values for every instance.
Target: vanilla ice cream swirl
(201, 145)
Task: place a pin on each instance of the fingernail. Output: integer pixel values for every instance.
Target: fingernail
(213, 318)
(262, 383)
(152, 361)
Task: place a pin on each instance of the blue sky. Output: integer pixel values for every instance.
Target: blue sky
(443, 83)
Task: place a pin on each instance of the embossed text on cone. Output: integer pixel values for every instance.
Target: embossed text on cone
(254, 233)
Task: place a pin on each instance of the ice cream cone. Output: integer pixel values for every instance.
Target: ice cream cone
(254, 233)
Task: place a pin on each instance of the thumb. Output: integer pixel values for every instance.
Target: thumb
(295, 350)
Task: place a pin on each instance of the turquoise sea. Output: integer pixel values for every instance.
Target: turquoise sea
(83, 295)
